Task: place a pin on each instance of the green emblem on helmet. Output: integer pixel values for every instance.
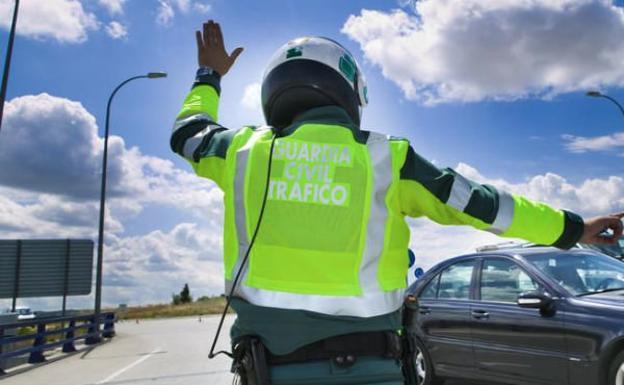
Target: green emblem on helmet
(347, 67)
(293, 52)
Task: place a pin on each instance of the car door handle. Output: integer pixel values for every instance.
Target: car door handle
(424, 310)
(480, 314)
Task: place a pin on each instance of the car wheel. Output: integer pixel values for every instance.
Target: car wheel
(423, 367)
(616, 372)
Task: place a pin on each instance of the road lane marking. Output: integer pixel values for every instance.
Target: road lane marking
(132, 365)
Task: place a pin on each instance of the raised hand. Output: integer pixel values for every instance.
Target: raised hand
(595, 228)
(211, 51)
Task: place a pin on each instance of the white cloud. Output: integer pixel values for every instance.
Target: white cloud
(182, 5)
(116, 30)
(65, 21)
(71, 164)
(27, 215)
(72, 158)
(148, 268)
(433, 243)
(580, 144)
(593, 196)
(167, 9)
(202, 7)
(165, 13)
(114, 7)
(468, 51)
(251, 97)
(67, 132)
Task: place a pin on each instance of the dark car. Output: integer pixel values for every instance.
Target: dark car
(521, 316)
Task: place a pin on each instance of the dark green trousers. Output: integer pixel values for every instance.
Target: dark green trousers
(366, 371)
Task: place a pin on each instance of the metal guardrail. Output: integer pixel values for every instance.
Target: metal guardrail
(67, 333)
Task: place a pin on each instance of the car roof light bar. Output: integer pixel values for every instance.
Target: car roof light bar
(504, 246)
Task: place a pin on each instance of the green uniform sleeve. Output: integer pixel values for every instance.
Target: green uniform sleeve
(197, 136)
(448, 198)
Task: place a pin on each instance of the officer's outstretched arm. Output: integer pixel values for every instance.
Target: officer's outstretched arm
(196, 134)
(448, 198)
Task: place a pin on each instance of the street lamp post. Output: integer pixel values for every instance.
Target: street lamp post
(98, 274)
(598, 94)
(7, 62)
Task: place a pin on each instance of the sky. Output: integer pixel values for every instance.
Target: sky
(492, 88)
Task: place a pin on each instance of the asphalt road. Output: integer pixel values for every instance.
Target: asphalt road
(156, 352)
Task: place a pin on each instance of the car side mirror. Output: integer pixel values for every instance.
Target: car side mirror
(535, 300)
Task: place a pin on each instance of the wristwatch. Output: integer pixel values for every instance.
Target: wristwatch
(207, 71)
(207, 75)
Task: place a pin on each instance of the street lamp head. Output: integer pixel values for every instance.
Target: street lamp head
(156, 75)
(598, 94)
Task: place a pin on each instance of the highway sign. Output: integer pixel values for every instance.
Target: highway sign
(45, 268)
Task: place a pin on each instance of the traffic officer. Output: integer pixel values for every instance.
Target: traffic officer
(324, 284)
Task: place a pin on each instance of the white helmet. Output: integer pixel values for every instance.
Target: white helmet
(310, 72)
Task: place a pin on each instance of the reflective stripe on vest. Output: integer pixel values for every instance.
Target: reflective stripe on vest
(373, 300)
(505, 214)
(242, 156)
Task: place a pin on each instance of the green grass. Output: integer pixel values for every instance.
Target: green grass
(204, 306)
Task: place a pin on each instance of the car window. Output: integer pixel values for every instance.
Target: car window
(431, 290)
(581, 273)
(455, 281)
(503, 280)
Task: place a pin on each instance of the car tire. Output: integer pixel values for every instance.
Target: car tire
(616, 371)
(423, 368)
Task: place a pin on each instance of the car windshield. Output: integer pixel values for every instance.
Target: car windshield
(611, 250)
(582, 273)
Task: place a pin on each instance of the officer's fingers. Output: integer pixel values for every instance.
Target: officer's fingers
(602, 225)
(207, 41)
(597, 235)
(600, 240)
(200, 40)
(212, 29)
(234, 55)
(617, 227)
(218, 35)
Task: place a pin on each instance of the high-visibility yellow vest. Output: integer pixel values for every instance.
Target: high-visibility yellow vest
(331, 240)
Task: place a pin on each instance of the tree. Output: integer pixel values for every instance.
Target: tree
(185, 295)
